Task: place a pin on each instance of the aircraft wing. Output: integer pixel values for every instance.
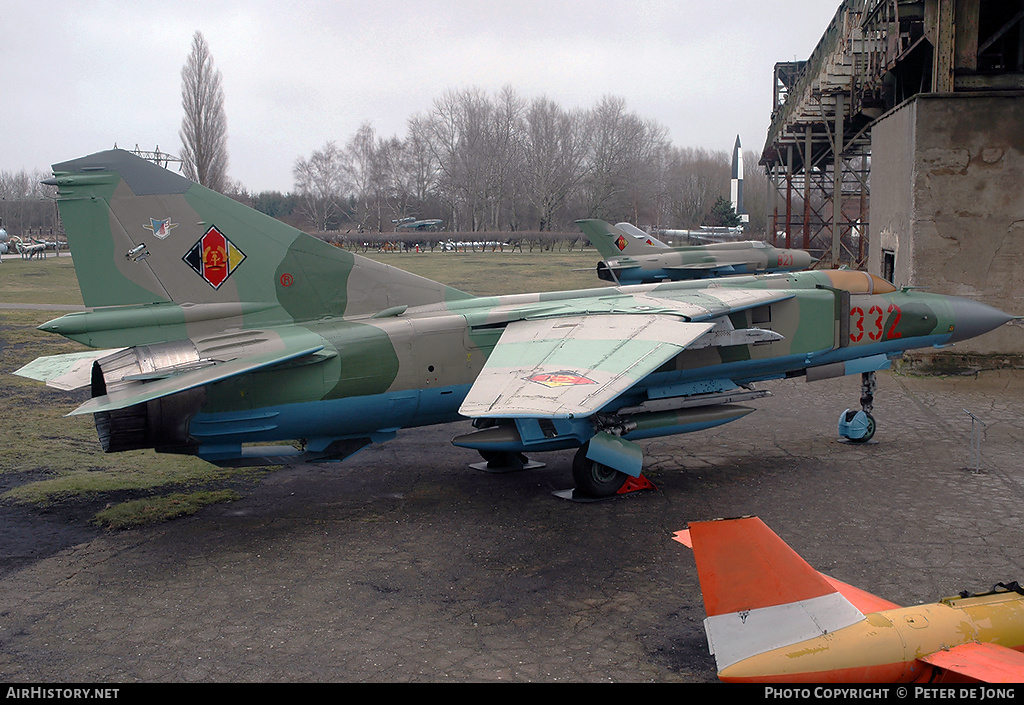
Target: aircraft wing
(69, 372)
(692, 305)
(714, 301)
(568, 361)
(569, 366)
(717, 268)
(700, 265)
(140, 392)
(985, 662)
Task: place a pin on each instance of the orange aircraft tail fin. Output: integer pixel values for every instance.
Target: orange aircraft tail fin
(759, 594)
(744, 565)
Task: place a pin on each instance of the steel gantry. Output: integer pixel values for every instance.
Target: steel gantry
(817, 155)
(874, 55)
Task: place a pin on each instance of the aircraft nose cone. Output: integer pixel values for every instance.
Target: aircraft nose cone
(972, 318)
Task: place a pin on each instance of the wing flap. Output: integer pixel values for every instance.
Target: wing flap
(573, 366)
(986, 662)
(139, 392)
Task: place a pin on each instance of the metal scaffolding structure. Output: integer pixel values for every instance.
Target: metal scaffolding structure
(873, 55)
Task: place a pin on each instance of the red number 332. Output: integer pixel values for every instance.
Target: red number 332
(874, 318)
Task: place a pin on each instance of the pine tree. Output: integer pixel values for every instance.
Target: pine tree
(722, 215)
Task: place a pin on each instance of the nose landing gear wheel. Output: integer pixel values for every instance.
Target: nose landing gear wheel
(870, 432)
(859, 426)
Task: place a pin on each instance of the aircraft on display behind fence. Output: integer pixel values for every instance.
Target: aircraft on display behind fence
(36, 248)
(772, 618)
(431, 224)
(225, 332)
(631, 256)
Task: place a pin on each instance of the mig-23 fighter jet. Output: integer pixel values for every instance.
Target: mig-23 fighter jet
(225, 332)
(631, 256)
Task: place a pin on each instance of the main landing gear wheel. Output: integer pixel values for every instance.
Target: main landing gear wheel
(594, 479)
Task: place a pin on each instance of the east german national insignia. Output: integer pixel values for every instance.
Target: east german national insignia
(621, 242)
(560, 379)
(214, 257)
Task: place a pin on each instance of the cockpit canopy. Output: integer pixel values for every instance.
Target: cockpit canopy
(859, 282)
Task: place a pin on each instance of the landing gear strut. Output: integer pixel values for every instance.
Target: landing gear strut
(859, 426)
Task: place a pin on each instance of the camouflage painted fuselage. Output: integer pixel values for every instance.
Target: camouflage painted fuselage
(630, 256)
(239, 330)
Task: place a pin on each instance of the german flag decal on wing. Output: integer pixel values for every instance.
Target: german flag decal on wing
(560, 379)
(214, 257)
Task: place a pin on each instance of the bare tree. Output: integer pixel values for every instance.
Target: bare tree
(320, 183)
(398, 172)
(420, 164)
(554, 156)
(756, 193)
(461, 130)
(695, 179)
(26, 203)
(503, 155)
(623, 146)
(498, 162)
(204, 130)
(441, 133)
(365, 163)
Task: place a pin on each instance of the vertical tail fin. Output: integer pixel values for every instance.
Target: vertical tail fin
(620, 240)
(759, 594)
(141, 234)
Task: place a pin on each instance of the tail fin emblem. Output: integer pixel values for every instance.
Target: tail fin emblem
(214, 257)
(160, 228)
(621, 243)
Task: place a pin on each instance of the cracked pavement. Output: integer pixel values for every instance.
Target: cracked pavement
(404, 565)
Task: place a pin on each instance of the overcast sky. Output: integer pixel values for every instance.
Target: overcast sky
(78, 77)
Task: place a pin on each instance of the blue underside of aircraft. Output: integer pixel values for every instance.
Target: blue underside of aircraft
(222, 436)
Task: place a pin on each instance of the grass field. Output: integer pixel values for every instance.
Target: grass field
(50, 459)
(490, 273)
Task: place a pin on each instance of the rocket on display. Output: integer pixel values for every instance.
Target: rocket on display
(736, 191)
